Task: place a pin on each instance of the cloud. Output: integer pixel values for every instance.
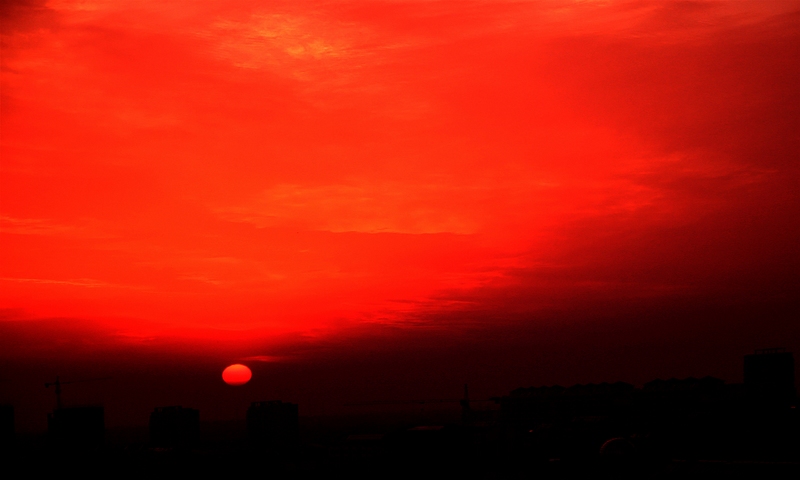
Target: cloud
(359, 207)
(381, 162)
(21, 16)
(272, 40)
(263, 358)
(32, 226)
(80, 282)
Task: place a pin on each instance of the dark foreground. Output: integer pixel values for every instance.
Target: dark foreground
(342, 449)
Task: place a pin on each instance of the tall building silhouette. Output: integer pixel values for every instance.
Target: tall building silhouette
(676, 417)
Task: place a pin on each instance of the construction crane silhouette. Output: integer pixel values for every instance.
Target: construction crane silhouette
(57, 384)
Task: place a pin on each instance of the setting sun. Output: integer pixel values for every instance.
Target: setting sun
(236, 374)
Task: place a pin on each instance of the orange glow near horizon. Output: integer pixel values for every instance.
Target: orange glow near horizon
(237, 170)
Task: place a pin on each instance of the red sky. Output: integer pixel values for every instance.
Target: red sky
(399, 183)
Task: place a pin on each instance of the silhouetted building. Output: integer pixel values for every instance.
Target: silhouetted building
(6, 423)
(769, 377)
(77, 426)
(174, 426)
(273, 423)
(680, 418)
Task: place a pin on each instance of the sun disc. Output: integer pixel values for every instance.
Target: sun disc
(236, 374)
